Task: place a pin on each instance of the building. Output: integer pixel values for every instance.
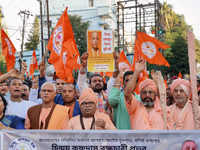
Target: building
(27, 55)
(101, 13)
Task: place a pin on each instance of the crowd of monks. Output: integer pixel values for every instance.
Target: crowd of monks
(46, 104)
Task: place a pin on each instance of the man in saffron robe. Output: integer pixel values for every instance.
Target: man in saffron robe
(47, 115)
(147, 114)
(90, 118)
(182, 110)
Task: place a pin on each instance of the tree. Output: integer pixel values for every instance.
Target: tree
(167, 15)
(80, 28)
(179, 59)
(3, 67)
(33, 37)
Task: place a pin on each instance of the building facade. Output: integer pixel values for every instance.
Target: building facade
(101, 14)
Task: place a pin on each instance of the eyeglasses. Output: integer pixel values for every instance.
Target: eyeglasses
(87, 103)
(49, 91)
(145, 92)
(181, 91)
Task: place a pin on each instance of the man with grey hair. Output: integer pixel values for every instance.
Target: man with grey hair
(47, 115)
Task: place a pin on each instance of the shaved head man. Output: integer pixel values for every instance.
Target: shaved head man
(189, 145)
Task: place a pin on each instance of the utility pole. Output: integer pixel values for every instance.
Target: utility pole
(41, 28)
(24, 16)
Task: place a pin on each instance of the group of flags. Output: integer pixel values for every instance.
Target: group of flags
(65, 56)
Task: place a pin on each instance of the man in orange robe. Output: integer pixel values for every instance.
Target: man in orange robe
(90, 118)
(147, 114)
(182, 110)
(47, 115)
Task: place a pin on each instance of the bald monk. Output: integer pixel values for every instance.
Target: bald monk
(182, 110)
(47, 115)
(90, 117)
(147, 114)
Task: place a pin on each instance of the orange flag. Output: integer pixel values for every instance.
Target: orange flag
(33, 64)
(123, 63)
(180, 75)
(63, 48)
(148, 46)
(8, 50)
(0, 73)
(27, 73)
(137, 55)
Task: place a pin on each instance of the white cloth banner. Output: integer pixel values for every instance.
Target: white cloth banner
(96, 140)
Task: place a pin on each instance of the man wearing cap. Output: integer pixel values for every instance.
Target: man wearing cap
(182, 110)
(90, 117)
(147, 114)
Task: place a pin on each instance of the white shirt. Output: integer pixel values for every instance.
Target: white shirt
(19, 108)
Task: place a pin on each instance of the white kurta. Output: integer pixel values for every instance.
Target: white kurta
(19, 108)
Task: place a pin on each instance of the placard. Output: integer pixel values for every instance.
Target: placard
(100, 45)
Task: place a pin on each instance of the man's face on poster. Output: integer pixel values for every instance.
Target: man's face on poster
(189, 145)
(94, 40)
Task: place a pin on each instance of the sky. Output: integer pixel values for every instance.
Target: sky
(11, 8)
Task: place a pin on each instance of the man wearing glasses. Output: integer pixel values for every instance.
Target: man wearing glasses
(47, 115)
(147, 114)
(90, 117)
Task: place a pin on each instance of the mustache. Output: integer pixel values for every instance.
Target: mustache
(147, 98)
(23, 95)
(97, 84)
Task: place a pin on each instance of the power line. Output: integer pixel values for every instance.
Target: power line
(14, 8)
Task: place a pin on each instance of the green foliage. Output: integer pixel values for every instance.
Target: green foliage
(80, 28)
(3, 67)
(33, 37)
(167, 15)
(179, 56)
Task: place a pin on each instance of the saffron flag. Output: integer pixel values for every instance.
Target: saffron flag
(33, 64)
(180, 75)
(63, 48)
(8, 50)
(123, 63)
(137, 55)
(148, 46)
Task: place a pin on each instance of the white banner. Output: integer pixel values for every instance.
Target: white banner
(96, 140)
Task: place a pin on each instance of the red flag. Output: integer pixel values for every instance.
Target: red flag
(180, 75)
(33, 64)
(27, 73)
(33, 77)
(63, 48)
(148, 46)
(8, 50)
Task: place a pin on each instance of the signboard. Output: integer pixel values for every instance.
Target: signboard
(98, 140)
(100, 45)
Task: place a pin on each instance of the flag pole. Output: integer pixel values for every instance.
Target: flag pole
(193, 77)
(45, 54)
(20, 56)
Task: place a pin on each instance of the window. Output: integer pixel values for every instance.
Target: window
(91, 3)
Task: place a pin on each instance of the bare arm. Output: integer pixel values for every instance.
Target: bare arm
(131, 85)
(119, 77)
(24, 68)
(84, 59)
(11, 74)
(116, 58)
(41, 68)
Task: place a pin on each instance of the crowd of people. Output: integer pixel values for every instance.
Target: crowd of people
(42, 104)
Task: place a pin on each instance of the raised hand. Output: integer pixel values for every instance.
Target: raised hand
(84, 58)
(14, 73)
(140, 65)
(35, 83)
(121, 73)
(24, 65)
(41, 66)
(116, 58)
